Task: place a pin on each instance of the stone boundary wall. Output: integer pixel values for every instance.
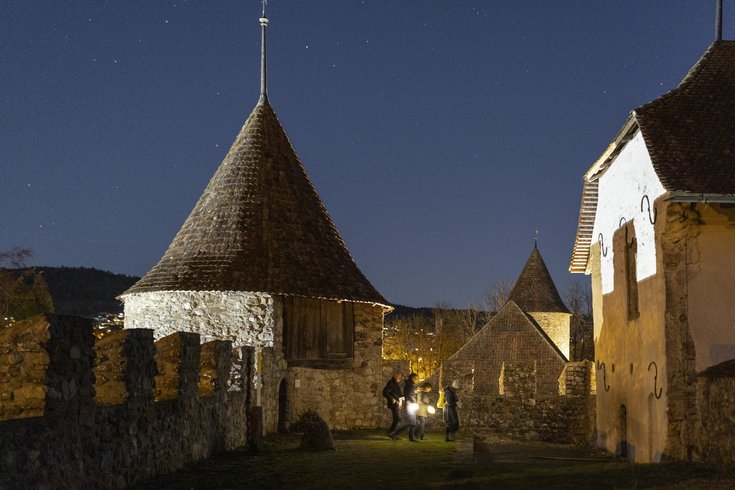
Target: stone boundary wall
(523, 414)
(715, 427)
(558, 419)
(81, 413)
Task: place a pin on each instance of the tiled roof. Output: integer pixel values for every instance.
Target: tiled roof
(534, 290)
(546, 337)
(260, 226)
(690, 131)
(689, 134)
(513, 315)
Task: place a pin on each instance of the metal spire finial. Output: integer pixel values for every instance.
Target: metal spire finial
(263, 65)
(535, 240)
(718, 21)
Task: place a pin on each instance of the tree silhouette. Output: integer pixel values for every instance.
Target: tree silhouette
(23, 292)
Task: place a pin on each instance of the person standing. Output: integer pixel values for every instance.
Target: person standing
(409, 394)
(451, 416)
(393, 394)
(425, 408)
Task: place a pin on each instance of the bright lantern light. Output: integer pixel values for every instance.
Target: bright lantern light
(412, 407)
(432, 409)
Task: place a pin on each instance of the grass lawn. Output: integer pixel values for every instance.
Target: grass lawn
(369, 459)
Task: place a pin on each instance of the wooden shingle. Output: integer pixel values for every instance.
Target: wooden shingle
(260, 226)
(690, 131)
(535, 290)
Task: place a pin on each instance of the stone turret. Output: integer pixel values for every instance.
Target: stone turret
(260, 263)
(258, 231)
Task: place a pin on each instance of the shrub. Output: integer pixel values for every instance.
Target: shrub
(307, 418)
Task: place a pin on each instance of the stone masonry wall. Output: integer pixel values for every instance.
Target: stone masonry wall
(23, 370)
(98, 425)
(715, 427)
(345, 398)
(244, 318)
(458, 370)
(524, 414)
(678, 233)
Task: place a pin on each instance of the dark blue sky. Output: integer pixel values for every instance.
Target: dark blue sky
(439, 134)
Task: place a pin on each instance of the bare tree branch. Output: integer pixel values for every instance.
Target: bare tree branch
(15, 257)
(498, 294)
(579, 301)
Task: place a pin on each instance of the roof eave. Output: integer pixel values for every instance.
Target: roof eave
(588, 208)
(682, 196)
(386, 307)
(625, 134)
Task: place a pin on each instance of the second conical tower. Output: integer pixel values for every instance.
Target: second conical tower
(536, 294)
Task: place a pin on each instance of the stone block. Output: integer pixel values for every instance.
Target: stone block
(215, 362)
(125, 369)
(23, 366)
(177, 363)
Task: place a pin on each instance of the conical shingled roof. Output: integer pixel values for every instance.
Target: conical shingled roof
(535, 290)
(260, 226)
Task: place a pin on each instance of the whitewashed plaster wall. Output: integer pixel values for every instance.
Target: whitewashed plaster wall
(628, 178)
(556, 326)
(245, 318)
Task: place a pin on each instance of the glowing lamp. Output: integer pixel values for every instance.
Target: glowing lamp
(432, 410)
(412, 407)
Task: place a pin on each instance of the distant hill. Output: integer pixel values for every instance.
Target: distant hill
(401, 311)
(85, 291)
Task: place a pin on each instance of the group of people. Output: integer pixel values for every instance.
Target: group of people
(415, 403)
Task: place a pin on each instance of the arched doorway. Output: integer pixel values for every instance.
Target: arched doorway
(623, 432)
(283, 406)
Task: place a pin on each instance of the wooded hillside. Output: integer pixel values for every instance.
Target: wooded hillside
(85, 291)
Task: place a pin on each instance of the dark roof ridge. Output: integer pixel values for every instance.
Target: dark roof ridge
(689, 131)
(690, 77)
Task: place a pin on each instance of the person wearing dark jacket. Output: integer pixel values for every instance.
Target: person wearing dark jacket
(393, 394)
(451, 416)
(409, 393)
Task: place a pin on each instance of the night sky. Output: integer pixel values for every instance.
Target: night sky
(440, 135)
